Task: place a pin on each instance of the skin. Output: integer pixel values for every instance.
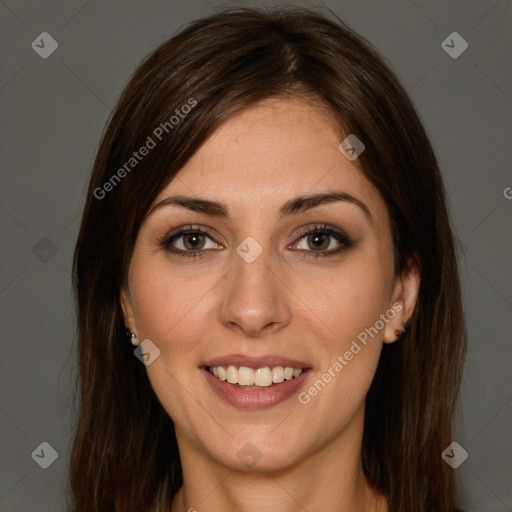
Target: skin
(282, 303)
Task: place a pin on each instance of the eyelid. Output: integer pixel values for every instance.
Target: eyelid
(323, 228)
(166, 240)
(339, 234)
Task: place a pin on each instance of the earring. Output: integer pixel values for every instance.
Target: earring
(133, 337)
(400, 332)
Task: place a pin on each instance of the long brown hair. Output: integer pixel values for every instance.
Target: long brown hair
(124, 455)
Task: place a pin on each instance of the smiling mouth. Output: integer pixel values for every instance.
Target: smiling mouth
(260, 378)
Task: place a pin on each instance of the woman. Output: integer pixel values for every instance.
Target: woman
(266, 222)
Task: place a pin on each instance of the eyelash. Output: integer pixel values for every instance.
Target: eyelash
(336, 233)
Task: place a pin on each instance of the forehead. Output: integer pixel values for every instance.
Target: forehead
(266, 154)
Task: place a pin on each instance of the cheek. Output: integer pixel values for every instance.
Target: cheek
(165, 299)
(347, 300)
(350, 352)
(350, 306)
(169, 304)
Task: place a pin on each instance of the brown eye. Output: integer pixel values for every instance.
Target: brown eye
(322, 240)
(318, 241)
(193, 241)
(189, 241)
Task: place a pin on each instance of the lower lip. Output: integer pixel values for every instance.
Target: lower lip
(255, 398)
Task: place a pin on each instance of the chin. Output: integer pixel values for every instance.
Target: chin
(258, 454)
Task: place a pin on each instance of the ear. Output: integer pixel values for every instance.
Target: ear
(403, 299)
(127, 307)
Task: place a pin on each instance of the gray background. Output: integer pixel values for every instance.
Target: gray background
(53, 112)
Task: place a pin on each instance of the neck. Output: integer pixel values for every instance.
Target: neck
(330, 479)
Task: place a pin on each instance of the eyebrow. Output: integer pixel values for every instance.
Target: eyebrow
(293, 206)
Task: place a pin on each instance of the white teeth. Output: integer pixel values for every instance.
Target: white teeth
(221, 372)
(288, 373)
(262, 377)
(277, 374)
(232, 375)
(245, 376)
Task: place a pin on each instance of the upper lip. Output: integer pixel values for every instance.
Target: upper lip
(256, 362)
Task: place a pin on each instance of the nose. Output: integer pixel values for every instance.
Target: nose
(256, 300)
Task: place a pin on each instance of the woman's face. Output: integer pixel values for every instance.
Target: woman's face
(252, 294)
